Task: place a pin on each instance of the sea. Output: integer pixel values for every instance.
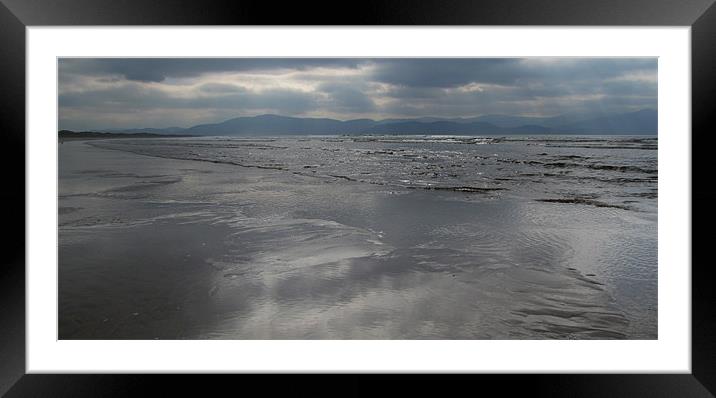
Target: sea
(359, 237)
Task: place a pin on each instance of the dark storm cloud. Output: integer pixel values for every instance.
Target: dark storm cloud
(447, 72)
(139, 98)
(221, 88)
(444, 72)
(159, 69)
(347, 98)
(630, 89)
(167, 91)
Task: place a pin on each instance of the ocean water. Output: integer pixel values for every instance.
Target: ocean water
(359, 237)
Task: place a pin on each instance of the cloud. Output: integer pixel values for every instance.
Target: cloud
(159, 69)
(137, 97)
(453, 72)
(347, 98)
(221, 88)
(445, 72)
(159, 92)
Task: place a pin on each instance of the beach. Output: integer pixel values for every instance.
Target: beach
(358, 238)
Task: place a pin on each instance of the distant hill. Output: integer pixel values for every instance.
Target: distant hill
(448, 127)
(640, 122)
(150, 130)
(274, 124)
(69, 135)
(509, 121)
(436, 127)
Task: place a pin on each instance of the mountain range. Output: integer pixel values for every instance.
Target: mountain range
(640, 122)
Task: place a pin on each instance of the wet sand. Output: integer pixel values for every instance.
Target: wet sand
(161, 248)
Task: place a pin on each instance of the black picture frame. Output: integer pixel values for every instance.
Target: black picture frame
(16, 15)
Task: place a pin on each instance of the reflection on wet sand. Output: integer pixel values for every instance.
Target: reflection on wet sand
(158, 247)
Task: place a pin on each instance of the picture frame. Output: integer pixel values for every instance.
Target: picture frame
(16, 15)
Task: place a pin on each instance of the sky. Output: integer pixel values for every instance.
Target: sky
(116, 93)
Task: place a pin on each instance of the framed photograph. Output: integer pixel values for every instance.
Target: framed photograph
(430, 189)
